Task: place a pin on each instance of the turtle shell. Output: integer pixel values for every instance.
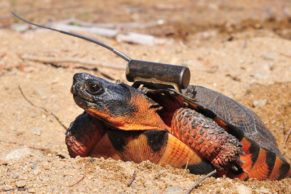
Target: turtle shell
(234, 114)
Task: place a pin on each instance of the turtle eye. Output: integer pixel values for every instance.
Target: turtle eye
(94, 88)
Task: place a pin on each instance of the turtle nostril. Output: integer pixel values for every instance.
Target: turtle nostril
(76, 78)
(75, 87)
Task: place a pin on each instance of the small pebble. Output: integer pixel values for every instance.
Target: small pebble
(206, 35)
(7, 188)
(261, 75)
(35, 169)
(46, 166)
(20, 184)
(20, 27)
(15, 175)
(36, 172)
(259, 102)
(263, 190)
(17, 154)
(269, 56)
(36, 131)
(242, 189)
(174, 190)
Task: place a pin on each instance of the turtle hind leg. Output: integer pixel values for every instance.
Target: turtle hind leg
(208, 139)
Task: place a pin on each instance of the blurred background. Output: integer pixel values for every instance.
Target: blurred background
(241, 48)
(178, 19)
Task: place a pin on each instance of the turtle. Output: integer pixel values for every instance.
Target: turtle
(195, 128)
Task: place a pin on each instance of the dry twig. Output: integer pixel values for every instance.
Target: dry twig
(78, 181)
(186, 166)
(69, 60)
(7, 190)
(199, 181)
(287, 137)
(132, 179)
(143, 39)
(42, 108)
(57, 63)
(117, 33)
(285, 55)
(120, 27)
(110, 33)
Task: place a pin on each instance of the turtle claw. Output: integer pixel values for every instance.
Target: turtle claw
(236, 169)
(229, 166)
(144, 90)
(118, 81)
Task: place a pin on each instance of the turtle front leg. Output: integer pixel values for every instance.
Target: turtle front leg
(208, 139)
(83, 134)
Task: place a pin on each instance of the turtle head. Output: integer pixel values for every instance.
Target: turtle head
(95, 94)
(118, 104)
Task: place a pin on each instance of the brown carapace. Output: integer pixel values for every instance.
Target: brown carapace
(199, 129)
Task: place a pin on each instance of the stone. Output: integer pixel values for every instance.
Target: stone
(18, 153)
(174, 190)
(242, 189)
(36, 131)
(7, 188)
(20, 184)
(259, 102)
(263, 190)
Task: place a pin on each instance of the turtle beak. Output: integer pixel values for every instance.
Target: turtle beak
(78, 78)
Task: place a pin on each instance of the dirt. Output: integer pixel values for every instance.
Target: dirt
(240, 48)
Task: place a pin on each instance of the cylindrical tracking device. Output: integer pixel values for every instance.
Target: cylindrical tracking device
(151, 72)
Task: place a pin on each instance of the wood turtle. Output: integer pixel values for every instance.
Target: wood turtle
(198, 128)
(195, 128)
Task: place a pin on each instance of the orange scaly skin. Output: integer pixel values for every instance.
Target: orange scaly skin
(205, 137)
(157, 146)
(219, 148)
(143, 118)
(259, 168)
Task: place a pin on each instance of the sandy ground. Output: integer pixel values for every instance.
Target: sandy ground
(240, 48)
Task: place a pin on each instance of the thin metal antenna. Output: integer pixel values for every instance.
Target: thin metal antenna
(117, 52)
